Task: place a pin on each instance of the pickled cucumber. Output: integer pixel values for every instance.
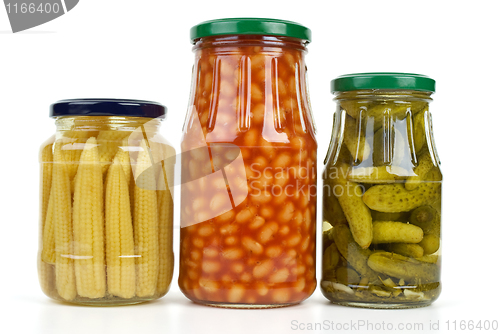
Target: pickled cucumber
(386, 181)
(396, 198)
(389, 147)
(419, 129)
(380, 112)
(331, 258)
(352, 252)
(433, 258)
(332, 211)
(354, 139)
(395, 232)
(410, 250)
(427, 218)
(400, 266)
(424, 166)
(430, 243)
(354, 108)
(356, 212)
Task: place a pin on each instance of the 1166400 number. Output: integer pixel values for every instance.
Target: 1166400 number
(32, 8)
(469, 325)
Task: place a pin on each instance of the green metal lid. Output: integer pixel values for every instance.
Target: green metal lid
(382, 80)
(250, 26)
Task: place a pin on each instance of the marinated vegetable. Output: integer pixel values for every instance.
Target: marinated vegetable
(248, 213)
(381, 202)
(106, 228)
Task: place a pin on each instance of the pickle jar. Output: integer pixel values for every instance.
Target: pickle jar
(382, 194)
(106, 208)
(248, 195)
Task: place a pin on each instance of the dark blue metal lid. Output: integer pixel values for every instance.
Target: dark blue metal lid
(107, 107)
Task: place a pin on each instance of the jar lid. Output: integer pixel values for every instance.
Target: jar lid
(107, 107)
(250, 26)
(382, 80)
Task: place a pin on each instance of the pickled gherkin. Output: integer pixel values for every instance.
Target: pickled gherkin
(387, 182)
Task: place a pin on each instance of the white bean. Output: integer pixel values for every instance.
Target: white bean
(210, 267)
(232, 254)
(281, 296)
(279, 276)
(236, 293)
(267, 232)
(263, 269)
(252, 245)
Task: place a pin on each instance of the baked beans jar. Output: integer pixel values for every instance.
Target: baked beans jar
(248, 198)
(382, 194)
(106, 209)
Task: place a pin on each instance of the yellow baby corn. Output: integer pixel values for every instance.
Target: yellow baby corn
(124, 159)
(72, 149)
(109, 142)
(48, 238)
(120, 259)
(88, 224)
(46, 159)
(47, 206)
(65, 274)
(165, 208)
(145, 224)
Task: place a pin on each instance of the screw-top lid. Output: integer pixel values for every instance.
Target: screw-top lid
(107, 107)
(250, 26)
(383, 80)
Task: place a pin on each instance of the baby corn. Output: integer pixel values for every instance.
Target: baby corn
(65, 273)
(109, 142)
(165, 208)
(88, 224)
(146, 224)
(119, 234)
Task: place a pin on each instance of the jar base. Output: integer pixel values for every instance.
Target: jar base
(102, 302)
(245, 306)
(110, 303)
(383, 306)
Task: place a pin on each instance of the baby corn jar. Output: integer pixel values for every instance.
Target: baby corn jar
(248, 195)
(382, 194)
(106, 207)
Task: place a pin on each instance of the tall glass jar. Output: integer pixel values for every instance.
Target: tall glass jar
(106, 208)
(248, 199)
(382, 194)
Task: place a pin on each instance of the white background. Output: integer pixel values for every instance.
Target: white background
(141, 49)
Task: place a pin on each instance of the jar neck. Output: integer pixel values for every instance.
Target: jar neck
(384, 95)
(106, 123)
(270, 43)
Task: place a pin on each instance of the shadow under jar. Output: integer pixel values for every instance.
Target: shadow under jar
(382, 194)
(106, 208)
(248, 199)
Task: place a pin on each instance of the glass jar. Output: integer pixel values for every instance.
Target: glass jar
(248, 198)
(106, 208)
(382, 194)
